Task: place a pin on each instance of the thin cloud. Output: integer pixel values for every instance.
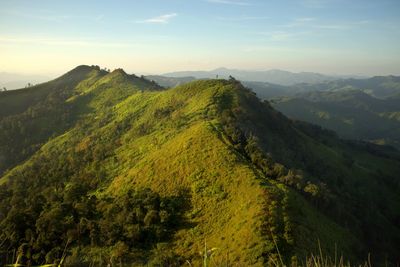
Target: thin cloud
(314, 3)
(333, 27)
(314, 23)
(61, 42)
(342, 26)
(163, 19)
(305, 19)
(281, 36)
(242, 18)
(266, 48)
(47, 16)
(229, 2)
(299, 22)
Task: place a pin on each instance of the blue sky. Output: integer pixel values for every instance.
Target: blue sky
(156, 36)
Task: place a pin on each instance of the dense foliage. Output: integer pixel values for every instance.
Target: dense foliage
(29, 117)
(382, 87)
(327, 183)
(351, 113)
(42, 227)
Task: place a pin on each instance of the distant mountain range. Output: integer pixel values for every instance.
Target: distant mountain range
(365, 109)
(352, 113)
(15, 81)
(378, 86)
(280, 77)
(168, 82)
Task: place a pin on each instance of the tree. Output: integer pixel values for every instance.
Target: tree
(119, 250)
(231, 78)
(4, 89)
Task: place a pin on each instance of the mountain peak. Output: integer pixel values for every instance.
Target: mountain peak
(79, 70)
(119, 71)
(84, 67)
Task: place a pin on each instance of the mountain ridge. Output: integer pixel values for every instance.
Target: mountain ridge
(276, 76)
(352, 113)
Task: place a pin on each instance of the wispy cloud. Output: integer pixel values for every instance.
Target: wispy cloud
(298, 22)
(314, 23)
(48, 15)
(62, 42)
(230, 2)
(333, 27)
(266, 48)
(163, 19)
(243, 18)
(40, 15)
(280, 36)
(342, 25)
(308, 19)
(314, 3)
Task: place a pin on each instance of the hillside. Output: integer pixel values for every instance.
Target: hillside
(29, 117)
(379, 87)
(353, 114)
(280, 77)
(169, 82)
(145, 175)
(264, 90)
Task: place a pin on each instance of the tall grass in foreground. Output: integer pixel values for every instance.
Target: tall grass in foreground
(311, 261)
(320, 260)
(208, 260)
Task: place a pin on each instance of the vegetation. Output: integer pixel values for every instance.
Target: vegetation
(139, 175)
(169, 82)
(351, 113)
(381, 87)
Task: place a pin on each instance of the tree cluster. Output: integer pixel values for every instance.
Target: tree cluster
(44, 227)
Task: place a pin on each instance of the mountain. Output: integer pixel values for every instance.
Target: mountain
(353, 114)
(15, 81)
(120, 170)
(379, 87)
(30, 116)
(271, 76)
(265, 90)
(169, 82)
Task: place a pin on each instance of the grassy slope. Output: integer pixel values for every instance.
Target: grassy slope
(173, 141)
(29, 117)
(193, 156)
(17, 101)
(169, 82)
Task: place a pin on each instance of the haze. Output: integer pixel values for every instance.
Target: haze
(327, 36)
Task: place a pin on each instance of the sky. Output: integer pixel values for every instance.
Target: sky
(355, 37)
